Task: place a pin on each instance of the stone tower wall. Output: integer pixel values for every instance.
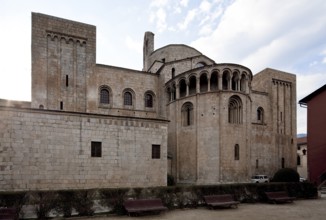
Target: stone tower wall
(63, 56)
(148, 48)
(280, 115)
(263, 150)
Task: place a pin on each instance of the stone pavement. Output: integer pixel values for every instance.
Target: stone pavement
(314, 209)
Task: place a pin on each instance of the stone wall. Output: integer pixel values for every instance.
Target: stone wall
(280, 101)
(43, 149)
(119, 80)
(264, 157)
(63, 55)
(232, 134)
(207, 111)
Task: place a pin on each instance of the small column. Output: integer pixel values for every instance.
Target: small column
(177, 91)
(197, 85)
(220, 79)
(187, 87)
(208, 84)
(230, 82)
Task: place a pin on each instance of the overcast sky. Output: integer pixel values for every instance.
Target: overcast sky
(289, 35)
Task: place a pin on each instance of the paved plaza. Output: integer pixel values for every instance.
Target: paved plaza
(314, 209)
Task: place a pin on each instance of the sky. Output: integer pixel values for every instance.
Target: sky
(288, 35)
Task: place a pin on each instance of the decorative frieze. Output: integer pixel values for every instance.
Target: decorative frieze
(68, 38)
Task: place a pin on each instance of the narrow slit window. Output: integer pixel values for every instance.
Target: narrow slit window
(187, 114)
(236, 152)
(260, 115)
(67, 80)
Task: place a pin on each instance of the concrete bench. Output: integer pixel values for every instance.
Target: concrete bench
(144, 205)
(7, 213)
(279, 197)
(225, 200)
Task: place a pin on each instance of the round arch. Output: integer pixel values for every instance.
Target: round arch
(129, 98)
(226, 77)
(104, 96)
(235, 110)
(203, 81)
(149, 99)
(182, 87)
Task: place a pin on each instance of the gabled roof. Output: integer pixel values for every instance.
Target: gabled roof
(306, 99)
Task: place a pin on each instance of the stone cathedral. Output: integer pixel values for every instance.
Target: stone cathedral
(91, 125)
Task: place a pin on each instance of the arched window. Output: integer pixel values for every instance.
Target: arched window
(225, 80)
(182, 88)
(174, 92)
(243, 83)
(260, 115)
(171, 94)
(187, 112)
(235, 110)
(127, 98)
(235, 80)
(149, 99)
(192, 85)
(104, 96)
(213, 81)
(203, 83)
(236, 152)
